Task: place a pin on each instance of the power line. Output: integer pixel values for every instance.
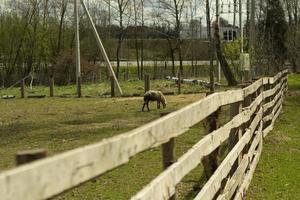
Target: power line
(138, 22)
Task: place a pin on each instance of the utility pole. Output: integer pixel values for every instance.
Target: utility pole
(218, 23)
(109, 20)
(102, 49)
(77, 49)
(142, 41)
(136, 39)
(234, 12)
(252, 34)
(247, 18)
(200, 35)
(241, 25)
(212, 48)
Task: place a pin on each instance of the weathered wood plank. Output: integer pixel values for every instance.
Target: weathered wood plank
(164, 185)
(253, 88)
(271, 127)
(54, 175)
(265, 80)
(273, 91)
(280, 93)
(257, 139)
(237, 178)
(274, 112)
(270, 104)
(242, 190)
(278, 76)
(214, 183)
(275, 78)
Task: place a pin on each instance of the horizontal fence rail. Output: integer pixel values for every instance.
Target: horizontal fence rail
(52, 176)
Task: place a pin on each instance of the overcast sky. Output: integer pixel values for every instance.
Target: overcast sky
(197, 13)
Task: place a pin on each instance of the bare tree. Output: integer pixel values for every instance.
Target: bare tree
(63, 8)
(136, 38)
(142, 39)
(223, 62)
(122, 7)
(174, 9)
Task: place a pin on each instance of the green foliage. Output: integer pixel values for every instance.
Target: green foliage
(232, 50)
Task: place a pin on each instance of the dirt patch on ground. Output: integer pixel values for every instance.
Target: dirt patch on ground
(294, 150)
(277, 138)
(177, 98)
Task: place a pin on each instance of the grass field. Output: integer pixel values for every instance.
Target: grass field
(60, 124)
(130, 88)
(278, 172)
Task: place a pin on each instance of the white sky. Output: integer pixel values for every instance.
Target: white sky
(200, 10)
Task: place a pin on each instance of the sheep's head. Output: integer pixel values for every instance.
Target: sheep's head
(163, 101)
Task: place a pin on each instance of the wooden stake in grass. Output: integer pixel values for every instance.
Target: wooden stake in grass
(51, 85)
(168, 154)
(23, 88)
(24, 157)
(79, 87)
(179, 83)
(112, 86)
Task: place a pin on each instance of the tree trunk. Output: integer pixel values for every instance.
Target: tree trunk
(172, 51)
(224, 64)
(142, 40)
(61, 22)
(211, 49)
(180, 58)
(136, 40)
(118, 58)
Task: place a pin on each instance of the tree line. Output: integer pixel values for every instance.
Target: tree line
(37, 36)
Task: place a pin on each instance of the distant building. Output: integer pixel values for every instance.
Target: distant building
(194, 30)
(228, 32)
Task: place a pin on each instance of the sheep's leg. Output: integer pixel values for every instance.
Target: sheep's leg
(158, 105)
(148, 106)
(143, 107)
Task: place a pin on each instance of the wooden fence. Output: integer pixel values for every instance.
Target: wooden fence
(257, 108)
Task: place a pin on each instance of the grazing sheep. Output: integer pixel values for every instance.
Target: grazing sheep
(153, 95)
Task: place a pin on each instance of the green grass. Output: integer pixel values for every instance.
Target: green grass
(278, 173)
(60, 124)
(130, 88)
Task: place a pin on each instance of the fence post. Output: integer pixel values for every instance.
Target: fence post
(147, 82)
(23, 88)
(286, 83)
(210, 162)
(179, 83)
(112, 86)
(267, 100)
(168, 154)
(235, 135)
(79, 94)
(24, 157)
(51, 83)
